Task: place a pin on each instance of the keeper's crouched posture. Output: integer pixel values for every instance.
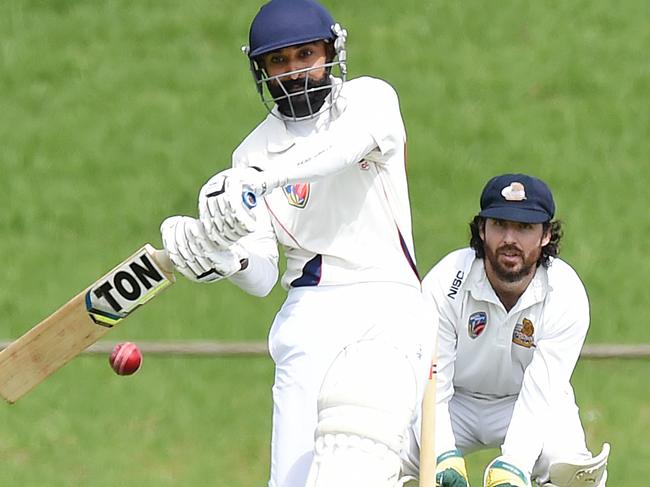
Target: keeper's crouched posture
(512, 320)
(352, 343)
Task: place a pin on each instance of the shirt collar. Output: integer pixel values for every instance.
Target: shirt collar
(278, 137)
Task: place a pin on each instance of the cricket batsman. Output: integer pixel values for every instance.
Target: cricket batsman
(353, 341)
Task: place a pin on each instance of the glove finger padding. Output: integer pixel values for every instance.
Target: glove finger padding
(177, 242)
(196, 251)
(502, 472)
(243, 217)
(222, 212)
(451, 470)
(168, 231)
(210, 214)
(194, 255)
(224, 262)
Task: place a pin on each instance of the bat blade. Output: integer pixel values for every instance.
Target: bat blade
(428, 431)
(82, 321)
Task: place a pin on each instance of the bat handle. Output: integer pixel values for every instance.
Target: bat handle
(163, 260)
(249, 198)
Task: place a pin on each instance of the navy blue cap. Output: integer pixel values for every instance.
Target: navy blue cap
(284, 23)
(518, 198)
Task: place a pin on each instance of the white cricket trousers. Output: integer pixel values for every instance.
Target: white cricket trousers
(312, 327)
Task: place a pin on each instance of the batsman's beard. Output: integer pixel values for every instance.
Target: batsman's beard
(300, 97)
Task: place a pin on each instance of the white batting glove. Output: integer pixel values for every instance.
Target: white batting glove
(225, 215)
(194, 255)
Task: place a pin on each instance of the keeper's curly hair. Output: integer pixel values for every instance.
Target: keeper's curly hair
(550, 250)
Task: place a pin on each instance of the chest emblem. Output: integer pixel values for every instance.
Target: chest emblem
(297, 194)
(476, 324)
(524, 334)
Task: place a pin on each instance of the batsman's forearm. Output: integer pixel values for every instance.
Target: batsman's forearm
(321, 156)
(261, 273)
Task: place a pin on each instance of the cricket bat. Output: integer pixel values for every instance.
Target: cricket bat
(428, 431)
(82, 321)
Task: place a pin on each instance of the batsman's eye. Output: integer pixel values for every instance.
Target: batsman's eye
(276, 59)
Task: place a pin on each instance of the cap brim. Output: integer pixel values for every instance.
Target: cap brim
(514, 214)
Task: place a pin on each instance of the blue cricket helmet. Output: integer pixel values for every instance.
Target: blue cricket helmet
(283, 23)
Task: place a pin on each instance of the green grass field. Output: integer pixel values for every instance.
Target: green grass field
(113, 114)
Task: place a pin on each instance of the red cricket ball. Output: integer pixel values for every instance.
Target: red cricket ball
(125, 358)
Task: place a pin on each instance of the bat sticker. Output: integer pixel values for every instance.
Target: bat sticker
(129, 286)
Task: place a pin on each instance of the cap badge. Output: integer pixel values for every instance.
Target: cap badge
(514, 192)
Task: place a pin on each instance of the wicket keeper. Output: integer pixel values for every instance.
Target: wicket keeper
(512, 320)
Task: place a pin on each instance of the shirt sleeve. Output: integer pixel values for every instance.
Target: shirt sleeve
(385, 123)
(371, 123)
(548, 375)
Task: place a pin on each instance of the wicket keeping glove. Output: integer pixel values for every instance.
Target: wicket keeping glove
(194, 255)
(451, 470)
(225, 216)
(502, 472)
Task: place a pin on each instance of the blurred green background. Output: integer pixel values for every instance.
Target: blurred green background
(113, 113)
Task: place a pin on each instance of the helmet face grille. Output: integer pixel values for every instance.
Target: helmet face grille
(303, 97)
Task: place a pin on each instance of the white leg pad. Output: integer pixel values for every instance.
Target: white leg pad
(351, 461)
(592, 473)
(366, 404)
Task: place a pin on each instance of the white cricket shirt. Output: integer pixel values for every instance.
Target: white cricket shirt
(483, 351)
(344, 217)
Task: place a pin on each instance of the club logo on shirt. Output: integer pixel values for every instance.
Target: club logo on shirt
(364, 165)
(297, 194)
(476, 324)
(524, 334)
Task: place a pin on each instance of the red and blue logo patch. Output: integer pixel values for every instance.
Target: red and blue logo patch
(476, 324)
(297, 194)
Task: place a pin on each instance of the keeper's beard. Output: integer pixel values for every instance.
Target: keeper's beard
(305, 95)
